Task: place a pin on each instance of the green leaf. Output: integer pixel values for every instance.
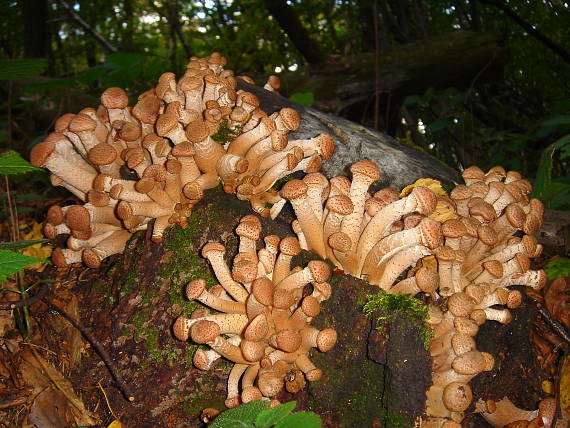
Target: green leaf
(556, 121)
(11, 163)
(558, 267)
(269, 417)
(300, 420)
(49, 85)
(543, 186)
(439, 124)
(21, 244)
(14, 69)
(241, 416)
(304, 98)
(11, 262)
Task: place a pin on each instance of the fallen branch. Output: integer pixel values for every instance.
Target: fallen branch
(97, 346)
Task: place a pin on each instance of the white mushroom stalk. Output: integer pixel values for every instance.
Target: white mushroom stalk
(268, 320)
(179, 139)
(401, 244)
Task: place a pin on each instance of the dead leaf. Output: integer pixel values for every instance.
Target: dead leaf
(444, 210)
(434, 185)
(115, 424)
(72, 341)
(40, 374)
(565, 385)
(50, 410)
(40, 251)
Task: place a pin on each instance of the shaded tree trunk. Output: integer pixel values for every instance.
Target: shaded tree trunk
(297, 33)
(36, 36)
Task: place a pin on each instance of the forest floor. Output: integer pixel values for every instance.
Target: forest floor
(129, 304)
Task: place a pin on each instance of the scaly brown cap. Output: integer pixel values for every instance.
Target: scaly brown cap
(457, 396)
(319, 270)
(195, 288)
(40, 153)
(204, 331)
(81, 123)
(340, 204)
(102, 154)
(290, 246)
(460, 304)
(197, 131)
(181, 328)
(77, 218)
(367, 169)
(453, 228)
(288, 340)
(113, 98)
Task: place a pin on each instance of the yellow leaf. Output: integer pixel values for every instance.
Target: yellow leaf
(430, 262)
(40, 251)
(547, 386)
(115, 424)
(565, 385)
(444, 210)
(434, 185)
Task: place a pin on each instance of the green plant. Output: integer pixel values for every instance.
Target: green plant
(557, 267)
(304, 98)
(391, 307)
(257, 414)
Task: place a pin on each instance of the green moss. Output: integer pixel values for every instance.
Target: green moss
(225, 133)
(391, 307)
(393, 420)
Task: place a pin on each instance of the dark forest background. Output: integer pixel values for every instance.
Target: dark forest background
(481, 82)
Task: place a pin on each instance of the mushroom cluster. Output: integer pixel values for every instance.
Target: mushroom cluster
(263, 318)
(504, 413)
(466, 260)
(154, 160)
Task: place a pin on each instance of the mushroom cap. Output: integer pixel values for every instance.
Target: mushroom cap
(473, 173)
(293, 189)
(494, 267)
(279, 140)
(244, 268)
(58, 258)
(319, 270)
(427, 280)
(340, 204)
(262, 290)
(515, 215)
(113, 98)
(283, 299)
(487, 235)
(290, 246)
(197, 131)
(62, 122)
(55, 215)
(326, 339)
(146, 109)
(366, 168)
(250, 393)
(484, 210)
(270, 384)
(457, 396)
(453, 228)
(181, 328)
(81, 123)
(91, 258)
(326, 145)
(288, 340)
(201, 360)
(190, 83)
(460, 304)
(41, 152)
(249, 229)
(460, 193)
(166, 122)
(251, 350)
(470, 363)
(77, 217)
(340, 241)
(212, 247)
(466, 326)
(341, 183)
(257, 328)
(311, 306)
(203, 331)
(290, 117)
(462, 343)
(431, 232)
(314, 375)
(195, 288)
(98, 199)
(426, 200)
(102, 154)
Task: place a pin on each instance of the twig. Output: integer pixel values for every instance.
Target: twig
(107, 400)
(87, 27)
(8, 306)
(98, 347)
(556, 325)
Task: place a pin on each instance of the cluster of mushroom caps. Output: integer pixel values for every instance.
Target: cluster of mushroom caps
(464, 249)
(155, 159)
(263, 318)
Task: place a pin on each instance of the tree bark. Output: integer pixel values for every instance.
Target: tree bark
(36, 38)
(297, 33)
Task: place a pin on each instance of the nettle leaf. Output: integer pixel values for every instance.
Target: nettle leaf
(304, 98)
(558, 267)
(269, 417)
(11, 262)
(11, 163)
(21, 244)
(300, 420)
(14, 69)
(242, 416)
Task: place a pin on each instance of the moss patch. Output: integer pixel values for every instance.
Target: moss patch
(391, 307)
